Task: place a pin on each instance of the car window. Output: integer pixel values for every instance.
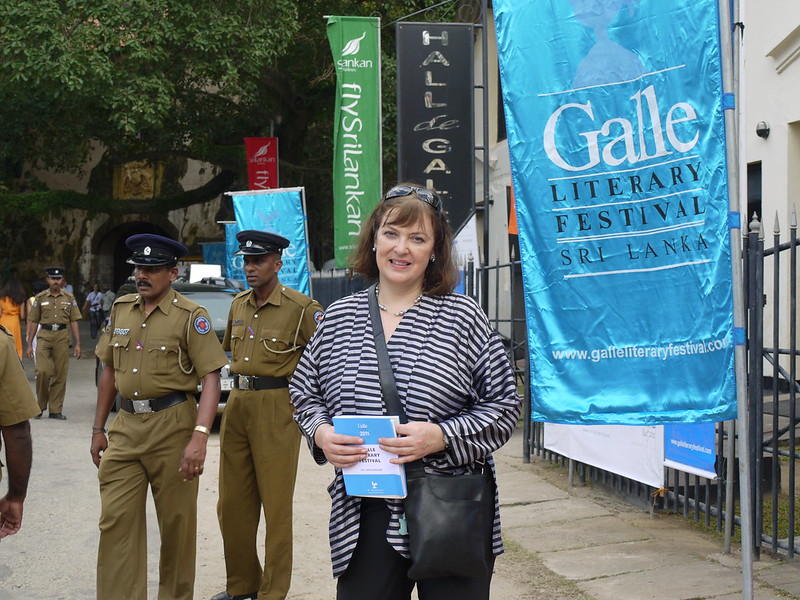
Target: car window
(216, 303)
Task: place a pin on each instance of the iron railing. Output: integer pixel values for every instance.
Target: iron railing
(773, 392)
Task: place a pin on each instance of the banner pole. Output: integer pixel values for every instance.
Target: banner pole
(729, 79)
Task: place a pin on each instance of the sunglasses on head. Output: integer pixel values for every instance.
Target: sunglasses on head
(424, 194)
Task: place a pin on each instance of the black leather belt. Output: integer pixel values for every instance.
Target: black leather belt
(149, 405)
(258, 383)
(53, 326)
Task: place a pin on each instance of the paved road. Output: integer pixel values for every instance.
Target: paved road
(563, 543)
(53, 556)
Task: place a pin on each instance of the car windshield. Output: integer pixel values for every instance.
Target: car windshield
(216, 303)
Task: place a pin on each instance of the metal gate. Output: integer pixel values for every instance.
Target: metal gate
(772, 398)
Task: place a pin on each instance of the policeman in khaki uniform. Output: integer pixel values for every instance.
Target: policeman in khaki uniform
(156, 346)
(17, 405)
(268, 328)
(54, 311)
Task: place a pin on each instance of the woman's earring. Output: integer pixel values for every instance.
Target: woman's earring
(374, 248)
(433, 257)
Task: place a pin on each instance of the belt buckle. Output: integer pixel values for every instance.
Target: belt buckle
(244, 382)
(141, 406)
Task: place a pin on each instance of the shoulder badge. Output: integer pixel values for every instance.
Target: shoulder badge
(202, 325)
(318, 317)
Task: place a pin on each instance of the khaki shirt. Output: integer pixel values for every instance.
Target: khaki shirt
(167, 351)
(60, 309)
(268, 340)
(17, 402)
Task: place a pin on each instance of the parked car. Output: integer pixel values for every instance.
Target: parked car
(217, 301)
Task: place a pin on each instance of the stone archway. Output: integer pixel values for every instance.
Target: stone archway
(110, 252)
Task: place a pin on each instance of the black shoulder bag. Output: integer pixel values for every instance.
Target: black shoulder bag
(449, 517)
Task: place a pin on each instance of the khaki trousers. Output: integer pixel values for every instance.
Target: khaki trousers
(52, 362)
(259, 443)
(146, 450)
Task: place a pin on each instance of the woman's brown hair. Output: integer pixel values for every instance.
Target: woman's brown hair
(441, 275)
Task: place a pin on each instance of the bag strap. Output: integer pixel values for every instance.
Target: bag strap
(388, 383)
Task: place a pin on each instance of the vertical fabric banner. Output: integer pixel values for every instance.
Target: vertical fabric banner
(616, 133)
(277, 211)
(357, 179)
(214, 254)
(262, 162)
(235, 264)
(435, 113)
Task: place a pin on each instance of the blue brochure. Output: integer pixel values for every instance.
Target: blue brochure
(374, 476)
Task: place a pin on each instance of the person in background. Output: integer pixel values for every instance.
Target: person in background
(17, 405)
(94, 299)
(453, 377)
(157, 346)
(38, 286)
(108, 301)
(54, 311)
(94, 304)
(268, 328)
(13, 309)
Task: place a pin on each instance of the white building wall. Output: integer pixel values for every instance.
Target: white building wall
(771, 79)
(772, 94)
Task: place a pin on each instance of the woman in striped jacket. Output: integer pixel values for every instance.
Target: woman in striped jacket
(453, 378)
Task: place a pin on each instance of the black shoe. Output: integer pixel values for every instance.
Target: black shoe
(227, 596)
(58, 416)
(39, 416)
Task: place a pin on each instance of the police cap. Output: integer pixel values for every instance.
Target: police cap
(55, 272)
(154, 250)
(252, 241)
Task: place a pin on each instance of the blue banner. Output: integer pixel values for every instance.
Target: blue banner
(277, 211)
(235, 264)
(614, 112)
(214, 254)
(690, 447)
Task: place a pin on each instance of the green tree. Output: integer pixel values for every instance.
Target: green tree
(172, 80)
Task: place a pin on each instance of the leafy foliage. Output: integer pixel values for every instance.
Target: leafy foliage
(174, 79)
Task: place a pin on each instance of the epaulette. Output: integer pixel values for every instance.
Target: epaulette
(184, 303)
(296, 297)
(127, 298)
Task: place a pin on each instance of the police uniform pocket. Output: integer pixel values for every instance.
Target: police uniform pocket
(162, 357)
(120, 348)
(276, 342)
(237, 341)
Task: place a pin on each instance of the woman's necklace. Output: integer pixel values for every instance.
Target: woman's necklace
(399, 313)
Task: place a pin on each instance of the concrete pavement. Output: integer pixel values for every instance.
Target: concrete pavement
(564, 543)
(612, 550)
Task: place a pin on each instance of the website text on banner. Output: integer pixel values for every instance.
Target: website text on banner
(278, 211)
(357, 179)
(616, 132)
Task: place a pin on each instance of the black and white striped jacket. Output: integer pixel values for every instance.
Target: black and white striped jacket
(451, 369)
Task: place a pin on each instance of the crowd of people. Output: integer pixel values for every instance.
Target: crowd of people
(295, 366)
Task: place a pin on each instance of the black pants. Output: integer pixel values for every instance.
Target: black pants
(377, 570)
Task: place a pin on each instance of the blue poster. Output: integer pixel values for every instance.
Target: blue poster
(235, 264)
(214, 254)
(277, 211)
(614, 111)
(690, 447)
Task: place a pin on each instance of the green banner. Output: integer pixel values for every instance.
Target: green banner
(357, 185)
